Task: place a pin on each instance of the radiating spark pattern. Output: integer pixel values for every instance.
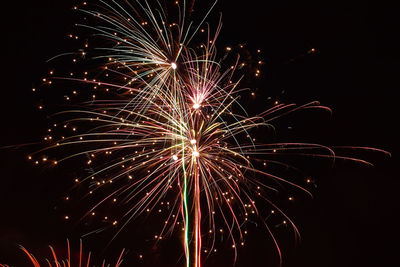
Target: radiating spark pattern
(174, 130)
(56, 261)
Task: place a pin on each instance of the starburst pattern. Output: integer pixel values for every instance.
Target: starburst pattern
(56, 261)
(174, 129)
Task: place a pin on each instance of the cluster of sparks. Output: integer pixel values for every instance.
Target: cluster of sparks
(175, 129)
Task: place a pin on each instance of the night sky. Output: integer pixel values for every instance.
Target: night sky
(351, 220)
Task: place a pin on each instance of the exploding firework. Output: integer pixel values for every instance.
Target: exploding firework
(56, 261)
(174, 130)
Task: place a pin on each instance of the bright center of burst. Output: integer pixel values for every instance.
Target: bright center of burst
(175, 157)
(193, 141)
(195, 153)
(173, 65)
(196, 105)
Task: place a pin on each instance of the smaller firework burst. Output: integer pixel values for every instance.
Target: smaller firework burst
(58, 262)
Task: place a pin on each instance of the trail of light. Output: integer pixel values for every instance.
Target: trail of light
(185, 209)
(197, 210)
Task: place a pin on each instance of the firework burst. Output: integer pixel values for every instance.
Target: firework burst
(56, 261)
(174, 130)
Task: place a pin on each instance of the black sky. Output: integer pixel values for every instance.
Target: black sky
(352, 219)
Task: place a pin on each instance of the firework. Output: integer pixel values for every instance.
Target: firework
(174, 130)
(56, 261)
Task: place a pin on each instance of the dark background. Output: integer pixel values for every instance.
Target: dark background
(352, 219)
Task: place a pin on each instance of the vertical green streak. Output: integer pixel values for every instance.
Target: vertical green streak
(185, 207)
